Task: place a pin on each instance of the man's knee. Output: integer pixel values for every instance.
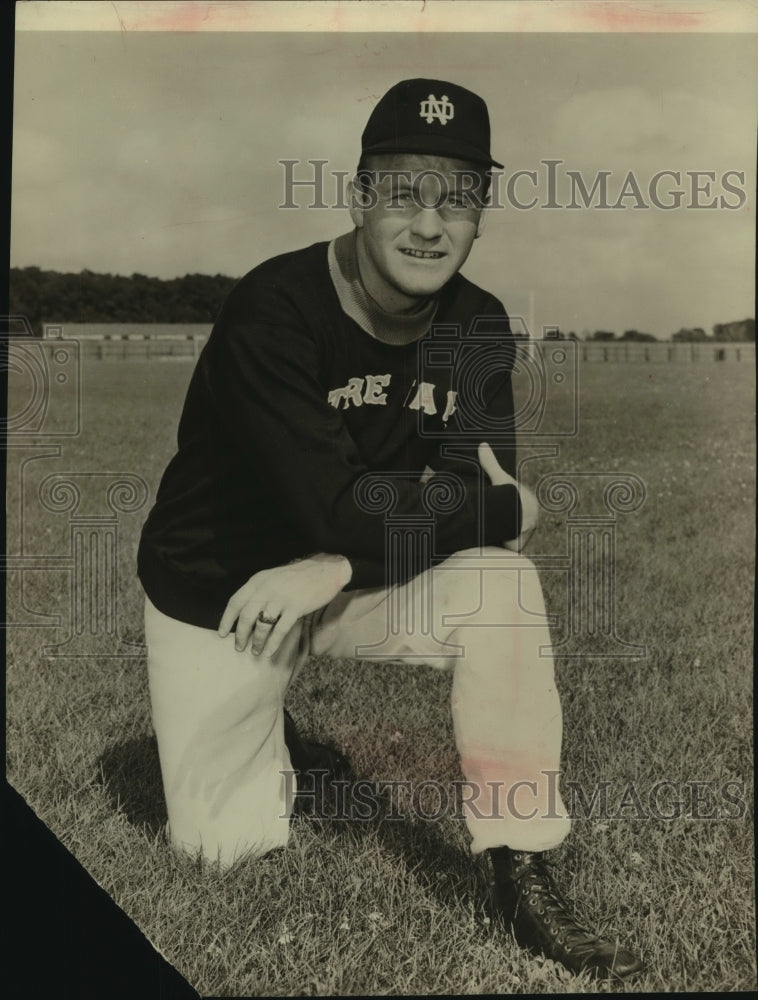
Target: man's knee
(495, 565)
(488, 578)
(491, 555)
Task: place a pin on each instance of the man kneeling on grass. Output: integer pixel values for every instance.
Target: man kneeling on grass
(265, 546)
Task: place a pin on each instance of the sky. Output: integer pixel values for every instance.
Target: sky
(158, 153)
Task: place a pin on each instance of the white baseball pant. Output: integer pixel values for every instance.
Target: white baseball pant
(218, 713)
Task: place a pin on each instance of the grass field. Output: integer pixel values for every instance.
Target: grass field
(398, 907)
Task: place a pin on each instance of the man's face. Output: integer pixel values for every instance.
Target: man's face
(421, 217)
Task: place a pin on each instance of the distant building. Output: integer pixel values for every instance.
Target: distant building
(132, 331)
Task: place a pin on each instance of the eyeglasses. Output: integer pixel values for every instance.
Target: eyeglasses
(450, 204)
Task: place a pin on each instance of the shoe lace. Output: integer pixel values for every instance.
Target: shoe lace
(539, 890)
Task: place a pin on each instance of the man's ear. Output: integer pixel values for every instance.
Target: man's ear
(481, 223)
(357, 202)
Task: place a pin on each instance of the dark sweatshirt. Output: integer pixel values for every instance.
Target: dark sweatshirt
(304, 388)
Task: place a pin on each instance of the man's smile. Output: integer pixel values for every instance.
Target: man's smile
(423, 254)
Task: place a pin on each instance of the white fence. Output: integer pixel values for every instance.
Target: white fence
(134, 341)
(661, 352)
(177, 341)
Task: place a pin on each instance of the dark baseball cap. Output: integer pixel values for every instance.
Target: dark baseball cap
(430, 116)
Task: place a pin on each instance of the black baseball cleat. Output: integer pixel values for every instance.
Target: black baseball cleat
(526, 897)
(316, 767)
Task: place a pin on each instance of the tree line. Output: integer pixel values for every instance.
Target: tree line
(739, 331)
(88, 297)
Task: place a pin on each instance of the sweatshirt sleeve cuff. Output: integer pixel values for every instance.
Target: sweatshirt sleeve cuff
(502, 514)
(502, 522)
(366, 574)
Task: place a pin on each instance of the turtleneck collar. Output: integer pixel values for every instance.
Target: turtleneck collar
(397, 329)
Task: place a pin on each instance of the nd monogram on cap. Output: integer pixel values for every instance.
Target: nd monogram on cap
(443, 110)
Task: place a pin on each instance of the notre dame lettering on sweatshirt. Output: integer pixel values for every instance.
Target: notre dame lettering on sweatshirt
(302, 432)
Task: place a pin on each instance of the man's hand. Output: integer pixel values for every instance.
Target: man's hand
(272, 601)
(529, 507)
